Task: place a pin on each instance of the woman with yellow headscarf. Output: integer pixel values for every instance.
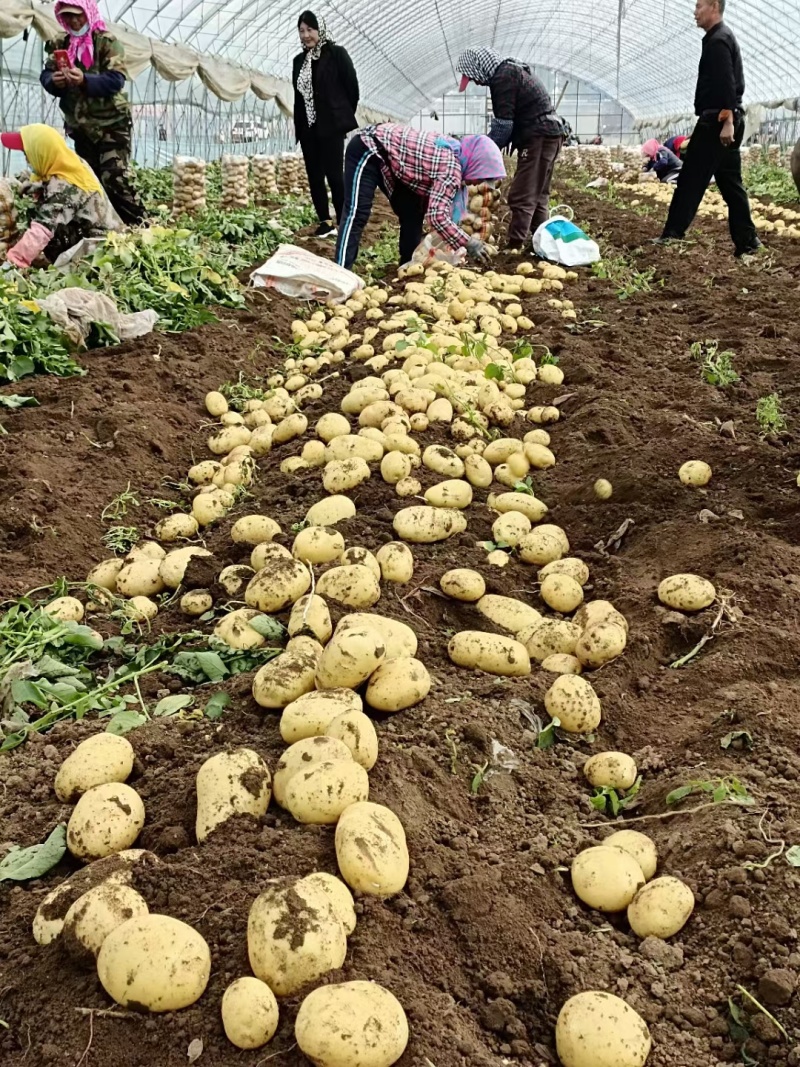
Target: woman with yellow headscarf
(69, 202)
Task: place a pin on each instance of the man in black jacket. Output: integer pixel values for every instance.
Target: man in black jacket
(524, 120)
(713, 150)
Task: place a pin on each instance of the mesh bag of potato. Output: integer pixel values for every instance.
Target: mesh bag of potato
(265, 179)
(478, 217)
(235, 182)
(189, 185)
(8, 217)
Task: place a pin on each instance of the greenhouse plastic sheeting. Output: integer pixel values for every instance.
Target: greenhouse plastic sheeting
(138, 50)
(223, 79)
(173, 61)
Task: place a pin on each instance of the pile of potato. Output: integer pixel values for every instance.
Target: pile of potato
(265, 180)
(235, 179)
(478, 218)
(8, 217)
(292, 178)
(189, 185)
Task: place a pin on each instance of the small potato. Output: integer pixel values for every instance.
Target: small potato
(318, 544)
(522, 502)
(140, 578)
(141, 609)
(104, 574)
(425, 525)
(235, 629)
(176, 527)
(304, 754)
(254, 530)
(661, 908)
(94, 915)
(371, 849)
(489, 652)
(350, 658)
(155, 963)
(313, 454)
(284, 679)
(396, 562)
(603, 489)
(695, 472)
(398, 684)
(356, 555)
(197, 602)
(540, 547)
(561, 663)
(249, 1013)
(683, 592)
(408, 487)
(509, 613)
(98, 760)
(355, 586)
(352, 1024)
(288, 428)
(574, 702)
(319, 794)
(454, 493)
(65, 609)
(550, 374)
(233, 579)
(108, 818)
(539, 456)
(606, 878)
(477, 472)
(461, 583)
(216, 404)
(277, 585)
(600, 1030)
(613, 770)
(600, 643)
(357, 731)
(561, 593)
(172, 567)
(509, 529)
(444, 461)
(332, 425)
(265, 553)
(228, 784)
(575, 568)
(549, 637)
(638, 845)
(310, 615)
(537, 437)
(395, 466)
(330, 510)
(399, 639)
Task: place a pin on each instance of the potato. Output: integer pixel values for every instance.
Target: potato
(318, 544)
(461, 583)
(522, 502)
(399, 639)
(104, 574)
(509, 529)
(302, 755)
(216, 404)
(540, 547)
(575, 568)
(313, 454)
(352, 1024)
(440, 410)
(310, 615)
(695, 472)
(294, 937)
(398, 684)
(638, 845)
(396, 562)
(561, 593)
(612, 770)
(508, 613)
(350, 657)
(357, 731)
(142, 577)
(108, 818)
(330, 510)
(600, 643)
(235, 629)
(175, 527)
(173, 566)
(98, 760)
(228, 438)
(606, 878)
(395, 466)
(197, 602)
(408, 487)
(285, 678)
(289, 427)
(155, 963)
(265, 553)
(305, 643)
(597, 611)
(249, 1013)
(539, 456)
(203, 473)
(146, 550)
(65, 609)
(444, 461)
(477, 472)
(254, 529)
(94, 915)
(141, 609)
(489, 652)
(561, 663)
(357, 555)
(683, 592)
(332, 425)
(454, 493)
(424, 524)
(600, 1030)
(261, 440)
(603, 489)
(340, 476)
(319, 794)
(354, 446)
(371, 849)
(549, 637)
(231, 783)
(337, 895)
(574, 702)
(353, 585)
(277, 585)
(661, 908)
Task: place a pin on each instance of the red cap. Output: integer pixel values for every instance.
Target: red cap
(464, 83)
(12, 141)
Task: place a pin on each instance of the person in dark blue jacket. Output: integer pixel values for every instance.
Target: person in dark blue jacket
(659, 159)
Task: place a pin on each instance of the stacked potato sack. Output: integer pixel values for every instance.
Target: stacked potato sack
(8, 217)
(291, 175)
(265, 181)
(189, 185)
(478, 219)
(235, 192)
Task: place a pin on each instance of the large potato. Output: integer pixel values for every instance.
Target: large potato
(398, 639)
(526, 504)
(172, 567)
(354, 1024)
(550, 637)
(444, 461)
(600, 643)
(350, 657)
(302, 755)
(337, 895)
(231, 783)
(141, 577)
(107, 818)
(612, 770)
(97, 760)
(294, 937)
(371, 849)
(354, 446)
(601, 1030)
(489, 652)
(575, 568)
(510, 528)
(638, 845)
(235, 629)
(355, 586)
(661, 908)
(155, 963)
(683, 592)
(94, 915)
(330, 510)
(453, 493)
(277, 585)
(311, 713)
(342, 475)
(254, 529)
(507, 612)
(285, 678)
(398, 684)
(249, 1013)
(561, 593)
(606, 878)
(319, 794)
(396, 562)
(357, 731)
(318, 544)
(540, 547)
(573, 700)
(422, 524)
(310, 615)
(461, 583)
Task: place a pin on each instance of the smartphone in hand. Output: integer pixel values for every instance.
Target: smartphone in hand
(61, 58)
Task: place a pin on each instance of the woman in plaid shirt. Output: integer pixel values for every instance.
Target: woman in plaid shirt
(424, 177)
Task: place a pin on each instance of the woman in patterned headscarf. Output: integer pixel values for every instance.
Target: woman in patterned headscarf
(325, 102)
(524, 120)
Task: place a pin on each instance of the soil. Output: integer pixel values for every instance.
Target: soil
(487, 941)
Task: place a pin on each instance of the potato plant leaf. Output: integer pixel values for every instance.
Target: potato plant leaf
(172, 705)
(216, 705)
(793, 856)
(125, 721)
(21, 864)
(266, 626)
(744, 737)
(17, 401)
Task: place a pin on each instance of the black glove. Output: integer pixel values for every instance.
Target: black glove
(478, 251)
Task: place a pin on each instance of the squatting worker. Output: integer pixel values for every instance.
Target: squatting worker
(97, 115)
(525, 121)
(69, 202)
(325, 101)
(677, 144)
(713, 150)
(662, 161)
(424, 177)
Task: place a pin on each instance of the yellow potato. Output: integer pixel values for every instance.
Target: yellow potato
(600, 643)
(603, 489)
(399, 639)
(477, 471)
(254, 529)
(550, 637)
(489, 652)
(396, 562)
(354, 446)
(108, 818)
(561, 593)
(352, 1024)
(65, 609)
(561, 663)
(216, 404)
(444, 461)
(425, 525)
(454, 493)
(172, 567)
(350, 657)
(539, 456)
(638, 845)
(575, 568)
(683, 592)
(140, 578)
(395, 466)
(197, 602)
(357, 731)
(277, 585)
(695, 472)
(463, 584)
(249, 1013)
(600, 1030)
(338, 896)
(235, 629)
(527, 505)
(312, 713)
(507, 612)
(318, 544)
(540, 547)
(284, 678)
(371, 849)
(228, 784)
(597, 611)
(104, 574)
(510, 528)
(661, 908)
(95, 914)
(330, 510)
(353, 585)
(310, 616)
(398, 684)
(265, 553)
(98, 760)
(319, 794)
(290, 427)
(302, 755)
(574, 702)
(613, 770)
(606, 878)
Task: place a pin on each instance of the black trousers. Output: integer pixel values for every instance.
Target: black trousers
(362, 176)
(324, 158)
(707, 158)
(110, 160)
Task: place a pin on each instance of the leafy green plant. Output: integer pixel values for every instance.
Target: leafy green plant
(239, 392)
(611, 801)
(716, 368)
(524, 485)
(374, 260)
(728, 789)
(769, 415)
(770, 181)
(22, 864)
(30, 342)
(546, 736)
(479, 777)
(741, 739)
(626, 278)
(121, 539)
(118, 507)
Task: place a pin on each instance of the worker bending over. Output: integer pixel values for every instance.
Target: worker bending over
(661, 161)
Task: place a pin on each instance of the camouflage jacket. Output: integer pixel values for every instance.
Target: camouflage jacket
(88, 115)
(69, 213)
